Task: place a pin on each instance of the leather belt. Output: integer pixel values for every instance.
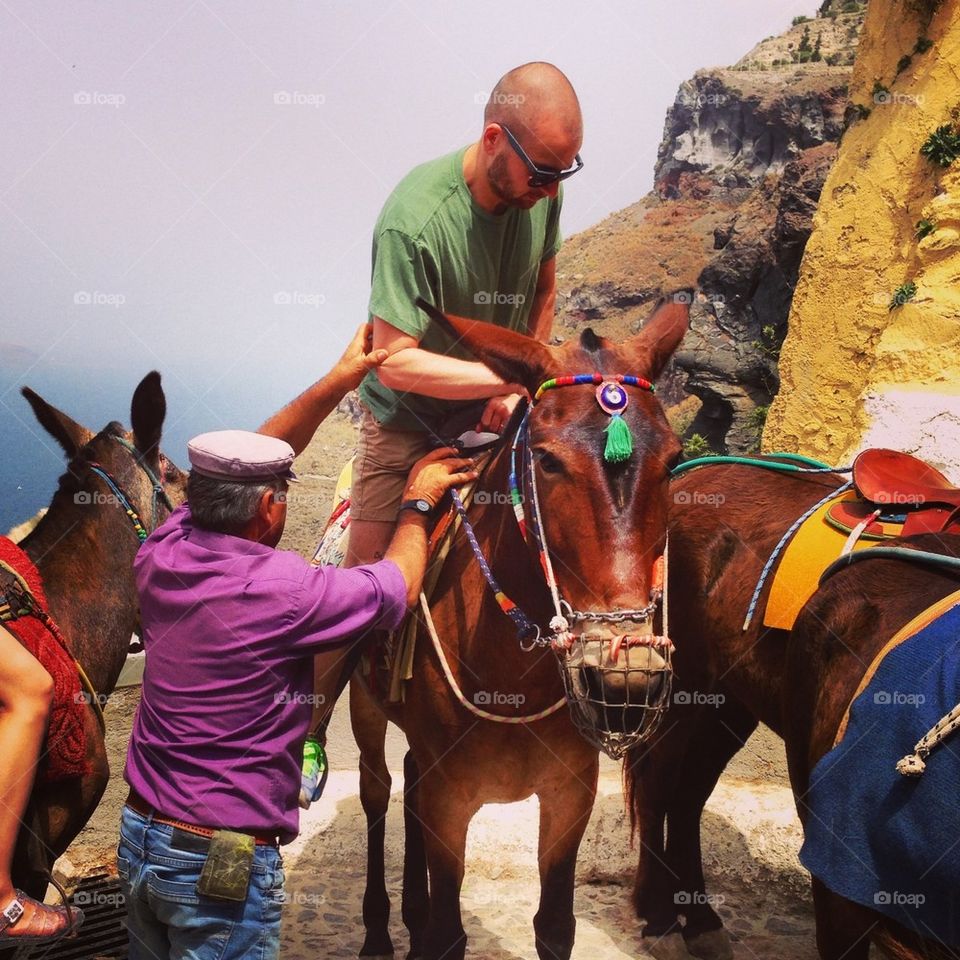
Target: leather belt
(136, 803)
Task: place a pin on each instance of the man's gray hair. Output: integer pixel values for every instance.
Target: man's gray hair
(226, 506)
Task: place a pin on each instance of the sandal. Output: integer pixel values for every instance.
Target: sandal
(46, 923)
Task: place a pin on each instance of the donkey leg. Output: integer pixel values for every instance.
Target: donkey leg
(416, 902)
(652, 772)
(843, 928)
(721, 732)
(370, 729)
(564, 811)
(445, 813)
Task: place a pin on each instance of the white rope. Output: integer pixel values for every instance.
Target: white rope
(913, 765)
(458, 693)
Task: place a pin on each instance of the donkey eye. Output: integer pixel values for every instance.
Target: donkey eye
(547, 461)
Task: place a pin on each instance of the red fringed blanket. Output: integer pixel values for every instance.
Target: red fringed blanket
(65, 751)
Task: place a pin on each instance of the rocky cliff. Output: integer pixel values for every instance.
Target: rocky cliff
(873, 352)
(744, 154)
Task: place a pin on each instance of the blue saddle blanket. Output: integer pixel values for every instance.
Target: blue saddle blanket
(876, 837)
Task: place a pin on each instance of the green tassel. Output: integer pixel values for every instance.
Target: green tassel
(619, 442)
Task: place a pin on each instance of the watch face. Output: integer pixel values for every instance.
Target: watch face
(423, 506)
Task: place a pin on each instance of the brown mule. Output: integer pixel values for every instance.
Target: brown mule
(605, 526)
(84, 549)
(724, 522)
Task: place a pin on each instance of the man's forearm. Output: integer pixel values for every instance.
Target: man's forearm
(540, 324)
(436, 375)
(298, 420)
(408, 550)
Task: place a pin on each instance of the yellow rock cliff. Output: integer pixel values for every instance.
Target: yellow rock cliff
(854, 371)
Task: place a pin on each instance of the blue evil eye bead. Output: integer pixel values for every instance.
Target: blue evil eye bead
(612, 398)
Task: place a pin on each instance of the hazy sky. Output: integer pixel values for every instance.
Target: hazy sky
(192, 185)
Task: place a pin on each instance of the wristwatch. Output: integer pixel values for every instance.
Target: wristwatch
(419, 505)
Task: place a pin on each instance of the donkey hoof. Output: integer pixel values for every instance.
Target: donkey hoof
(712, 945)
(669, 947)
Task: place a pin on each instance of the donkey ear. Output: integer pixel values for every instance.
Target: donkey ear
(513, 356)
(68, 433)
(661, 334)
(147, 412)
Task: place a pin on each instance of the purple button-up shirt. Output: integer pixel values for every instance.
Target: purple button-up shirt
(229, 628)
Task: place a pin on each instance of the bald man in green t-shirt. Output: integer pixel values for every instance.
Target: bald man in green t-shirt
(476, 233)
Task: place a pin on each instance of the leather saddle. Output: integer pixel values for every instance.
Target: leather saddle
(899, 495)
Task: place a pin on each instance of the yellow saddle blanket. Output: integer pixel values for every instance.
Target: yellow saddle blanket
(814, 546)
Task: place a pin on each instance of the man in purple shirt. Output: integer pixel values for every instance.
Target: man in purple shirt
(230, 627)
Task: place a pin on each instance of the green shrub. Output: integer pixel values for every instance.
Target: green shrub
(796, 21)
(925, 228)
(696, 445)
(903, 294)
(903, 63)
(942, 147)
(922, 45)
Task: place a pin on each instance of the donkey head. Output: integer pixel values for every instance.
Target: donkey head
(603, 517)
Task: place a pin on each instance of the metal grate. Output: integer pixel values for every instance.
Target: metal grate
(103, 935)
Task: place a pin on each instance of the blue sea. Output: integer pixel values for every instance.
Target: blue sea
(31, 460)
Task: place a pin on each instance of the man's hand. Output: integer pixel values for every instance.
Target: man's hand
(359, 357)
(497, 412)
(433, 475)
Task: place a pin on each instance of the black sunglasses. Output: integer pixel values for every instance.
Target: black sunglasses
(540, 176)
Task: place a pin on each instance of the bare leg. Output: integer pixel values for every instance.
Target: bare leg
(368, 542)
(26, 691)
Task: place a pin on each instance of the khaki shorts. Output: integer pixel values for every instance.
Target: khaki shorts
(380, 471)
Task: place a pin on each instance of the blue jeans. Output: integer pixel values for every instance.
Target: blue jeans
(159, 867)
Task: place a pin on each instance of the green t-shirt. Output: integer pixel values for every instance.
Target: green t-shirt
(432, 240)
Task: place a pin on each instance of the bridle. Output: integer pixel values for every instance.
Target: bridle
(614, 704)
(121, 496)
(613, 399)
